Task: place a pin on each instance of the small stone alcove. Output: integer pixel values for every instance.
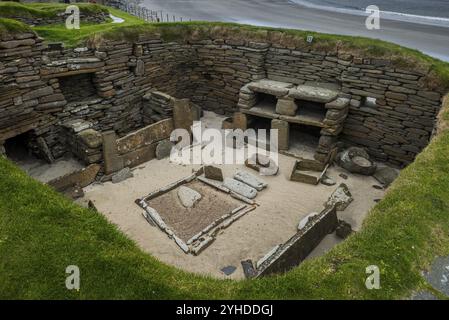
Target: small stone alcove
(266, 102)
(18, 148)
(78, 88)
(311, 110)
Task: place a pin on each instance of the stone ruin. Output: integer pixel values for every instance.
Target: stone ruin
(111, 104)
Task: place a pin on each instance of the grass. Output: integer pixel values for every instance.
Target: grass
(41, 232)
(10, 26)
(72, 38)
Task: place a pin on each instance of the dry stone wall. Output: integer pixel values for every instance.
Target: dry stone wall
(85, 17)
(392, 111)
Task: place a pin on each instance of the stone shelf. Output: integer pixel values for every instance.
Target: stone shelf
(263, 109)
(306, 117)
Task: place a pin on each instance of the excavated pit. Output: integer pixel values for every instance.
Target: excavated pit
(97, 119)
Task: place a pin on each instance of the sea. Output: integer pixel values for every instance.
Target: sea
(432, 12)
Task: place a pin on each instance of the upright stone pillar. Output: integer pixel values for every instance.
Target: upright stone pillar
(112, 161)
(182, 114)
(286, 106)
(2, 149)
(283, 128)
(240, 121)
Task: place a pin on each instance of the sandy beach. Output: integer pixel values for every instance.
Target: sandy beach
(432, 40)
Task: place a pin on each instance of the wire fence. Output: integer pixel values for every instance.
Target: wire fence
(135, 8)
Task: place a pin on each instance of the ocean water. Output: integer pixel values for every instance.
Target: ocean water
(434, 12)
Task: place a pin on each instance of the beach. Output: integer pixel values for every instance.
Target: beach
(428, 38)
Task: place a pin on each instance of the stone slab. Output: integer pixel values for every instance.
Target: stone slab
(214, 173)
(188, 197)
(240, 188)
(341, 198)
(271, 87)
(251, 180)
(122, 175)
(315, 94)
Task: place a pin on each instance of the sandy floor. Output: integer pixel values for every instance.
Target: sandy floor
(45, 172)
(282, 205)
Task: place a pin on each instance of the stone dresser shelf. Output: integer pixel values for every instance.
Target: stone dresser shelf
(305, 117)
(287, 104)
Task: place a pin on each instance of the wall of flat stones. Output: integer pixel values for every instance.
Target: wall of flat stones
(210, 73)
(99, 17)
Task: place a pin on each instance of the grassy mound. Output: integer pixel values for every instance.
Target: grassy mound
(71, 38)
(10, 26)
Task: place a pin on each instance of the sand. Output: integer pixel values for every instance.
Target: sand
(432, 40)
(282, 205)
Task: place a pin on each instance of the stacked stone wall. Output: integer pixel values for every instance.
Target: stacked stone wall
(210, 72)
(89, 17)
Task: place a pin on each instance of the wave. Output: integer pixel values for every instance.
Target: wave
(390, 15)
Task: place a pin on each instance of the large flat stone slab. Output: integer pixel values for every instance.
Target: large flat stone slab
(438, 276)
(386, 175)
(240, 188)
(275, 88)
(315, 94)
(341, 198)
(251, 180)
(188, 196)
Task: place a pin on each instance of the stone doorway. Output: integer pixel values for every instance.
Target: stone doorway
(18, 148)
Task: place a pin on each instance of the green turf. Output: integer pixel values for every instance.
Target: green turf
(10, 26)
(71, 38)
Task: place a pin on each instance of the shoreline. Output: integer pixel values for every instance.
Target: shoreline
(429, 39)
(384, 14)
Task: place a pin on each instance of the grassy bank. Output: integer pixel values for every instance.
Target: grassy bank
(74, 37)
(11, 26)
